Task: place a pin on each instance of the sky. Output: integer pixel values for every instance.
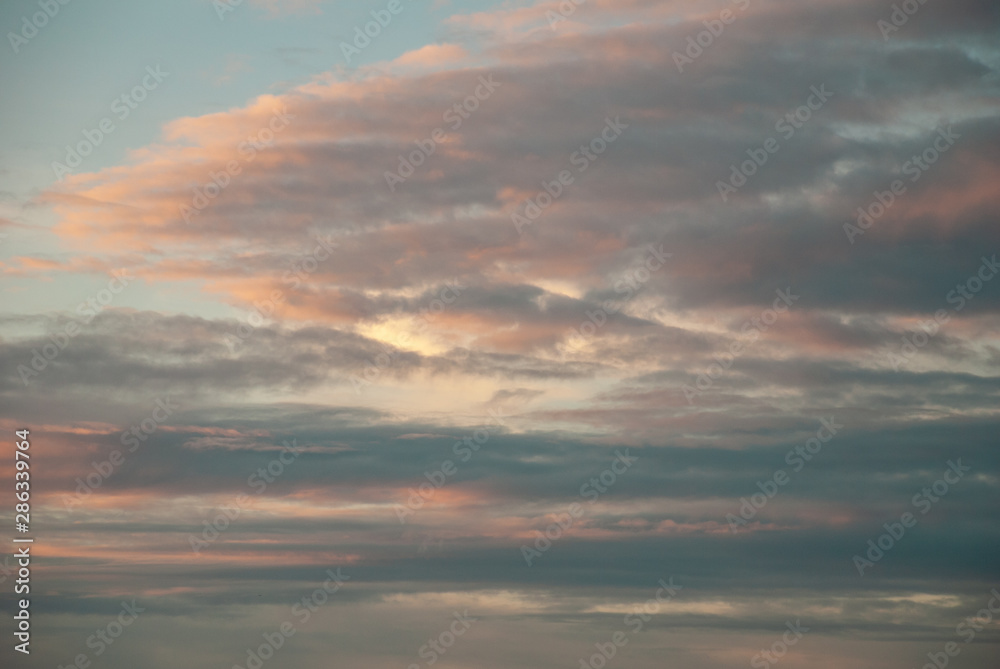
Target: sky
(402, 334)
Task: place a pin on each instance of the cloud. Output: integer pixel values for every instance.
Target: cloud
(563, 326)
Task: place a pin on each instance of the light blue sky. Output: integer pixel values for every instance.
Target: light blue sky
(93, 51)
